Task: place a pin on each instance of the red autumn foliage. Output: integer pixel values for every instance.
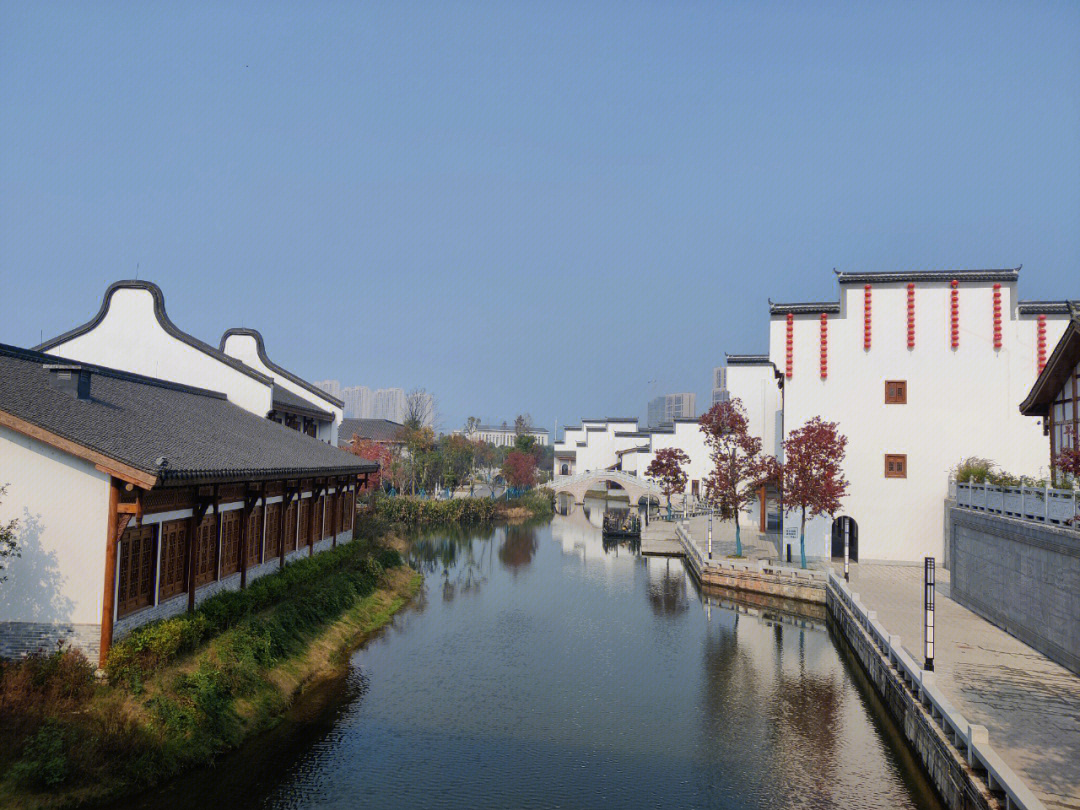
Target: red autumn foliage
(666, 469)
(519, 469)
(372, 451)
(814, 479)
(739, 467)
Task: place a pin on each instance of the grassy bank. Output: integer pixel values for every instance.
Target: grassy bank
(417, 513)
(183, 690)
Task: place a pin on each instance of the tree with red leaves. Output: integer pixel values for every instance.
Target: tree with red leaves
(666, 469)
(372, 451)
(813, 479)
(739, 467)
(519, 469)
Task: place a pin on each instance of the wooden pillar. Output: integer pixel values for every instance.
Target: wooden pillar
(316, 491)
(763, 523)
(244, 515)
(108, 602)
(286, 499)
(189, 564)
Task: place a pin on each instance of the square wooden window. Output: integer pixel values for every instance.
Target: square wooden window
(896, 392)
(896, 466)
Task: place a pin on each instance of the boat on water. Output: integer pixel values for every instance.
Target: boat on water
(621, 523)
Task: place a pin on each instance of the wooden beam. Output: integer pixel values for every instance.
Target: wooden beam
(108, 601)
(117, 469)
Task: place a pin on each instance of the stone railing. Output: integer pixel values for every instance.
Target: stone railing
(969, 739)
(1055, 506)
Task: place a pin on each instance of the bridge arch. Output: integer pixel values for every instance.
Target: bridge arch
(577, 486)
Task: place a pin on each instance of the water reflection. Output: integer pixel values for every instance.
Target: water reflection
(578, 674)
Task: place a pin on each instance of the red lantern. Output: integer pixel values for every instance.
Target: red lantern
(954, 314)
(790, 343)
(911, 316)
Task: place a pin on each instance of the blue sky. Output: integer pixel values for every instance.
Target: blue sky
(560, 208)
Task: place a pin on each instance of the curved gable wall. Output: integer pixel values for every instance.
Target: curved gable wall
(245, 348)
(130, 337)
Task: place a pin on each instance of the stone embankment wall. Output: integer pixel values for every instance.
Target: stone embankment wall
(959, 786)
(1022, 576)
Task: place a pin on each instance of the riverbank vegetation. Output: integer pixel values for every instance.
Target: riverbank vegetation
(182, 690)
(410, 513)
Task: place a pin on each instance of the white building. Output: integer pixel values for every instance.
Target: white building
(389, 403)
(669, 407)
(719, 385)
(132, 332)
(503, 435)
(359, 402)
(136, 498)
(919, 370)
(332, 387)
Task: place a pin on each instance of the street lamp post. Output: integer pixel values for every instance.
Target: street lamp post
(710, 535)
(847, 538)
(928, 626)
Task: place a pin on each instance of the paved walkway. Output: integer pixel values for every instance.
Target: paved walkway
(1029, 705)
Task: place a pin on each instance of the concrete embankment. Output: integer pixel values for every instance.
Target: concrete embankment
(751, 576)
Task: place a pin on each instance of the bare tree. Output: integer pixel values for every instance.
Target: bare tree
(523, 424)
(420, 409)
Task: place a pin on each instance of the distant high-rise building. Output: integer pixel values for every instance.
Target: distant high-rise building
(389, 403)
(359, 403)
(669, 407)
(719, 385)
(332, 387)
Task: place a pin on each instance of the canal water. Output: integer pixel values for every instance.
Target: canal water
(542, 668)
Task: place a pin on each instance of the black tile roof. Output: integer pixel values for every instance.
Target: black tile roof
(748, 359)
(809, 308)
(260, 348)
(1046, 307)
(136, 420)
(163, 319)
(375, 430)
(286, 400)
(929, 275)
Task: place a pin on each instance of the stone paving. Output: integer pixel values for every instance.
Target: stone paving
(1029, 705)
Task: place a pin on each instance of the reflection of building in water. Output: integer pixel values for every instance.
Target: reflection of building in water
(518, 546)
(669, 593)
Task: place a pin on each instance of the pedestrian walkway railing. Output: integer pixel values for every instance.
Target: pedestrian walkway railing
(750, 566)
(1042, 505)
(971, 740)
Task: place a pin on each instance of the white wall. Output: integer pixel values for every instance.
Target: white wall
(245, 349)
(62, 505)
(960, 403)
(756, 386)
(130, 338)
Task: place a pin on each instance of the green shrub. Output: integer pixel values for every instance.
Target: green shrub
(44, 763)
(313, 590)
(973, 470)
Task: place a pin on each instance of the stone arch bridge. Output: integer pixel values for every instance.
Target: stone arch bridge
(614, 481)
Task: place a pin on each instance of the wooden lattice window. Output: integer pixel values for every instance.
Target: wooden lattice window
(273, 531)
(320, 513)
(305, 523)
(896, 466)
(230, 542)
(350, 511)
(136, 563)
(174, 551)
(206, 550)
(290, 527)
(896, 392)
(333, 514)
(255, 536)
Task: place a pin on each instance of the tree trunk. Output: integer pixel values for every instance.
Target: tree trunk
(802, 538)
(738, 535)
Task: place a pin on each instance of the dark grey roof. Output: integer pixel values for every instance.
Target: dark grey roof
(511, 428)
(375, 430)
(809, 308)
(928, 275)
(566, 454)
(136, 420)
(748, 359)
(260, 348)
(591, 429)
(640, 434)
(163, 319)
(1046, 307)
(286, 400)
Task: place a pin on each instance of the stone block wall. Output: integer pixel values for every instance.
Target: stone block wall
(22, 638)
(1021, 575)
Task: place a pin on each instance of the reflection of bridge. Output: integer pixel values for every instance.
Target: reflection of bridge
(576, 486)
